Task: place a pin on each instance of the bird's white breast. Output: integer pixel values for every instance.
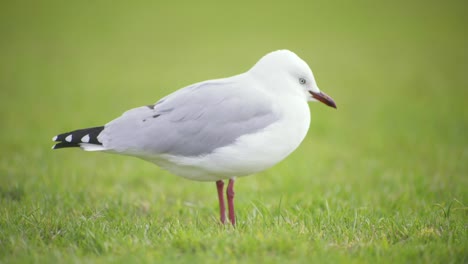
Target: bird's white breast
(250, 153)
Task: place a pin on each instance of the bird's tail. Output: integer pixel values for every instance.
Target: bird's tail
(86, 138)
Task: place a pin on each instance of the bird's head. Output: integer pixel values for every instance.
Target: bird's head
(284, 70)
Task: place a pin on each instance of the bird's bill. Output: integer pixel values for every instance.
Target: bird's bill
(322, 97)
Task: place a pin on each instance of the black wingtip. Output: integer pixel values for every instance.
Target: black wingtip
(65, 145)
(75, 138)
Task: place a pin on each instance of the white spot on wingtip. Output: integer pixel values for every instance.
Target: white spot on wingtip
(53, 147)
(69, 138)
(54, 138)
(85, 139)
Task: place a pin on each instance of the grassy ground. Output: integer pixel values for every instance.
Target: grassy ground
(383, 179)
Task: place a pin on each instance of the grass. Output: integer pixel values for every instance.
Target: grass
(381, 180)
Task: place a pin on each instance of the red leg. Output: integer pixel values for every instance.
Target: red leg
(230, 197)
(222, 208)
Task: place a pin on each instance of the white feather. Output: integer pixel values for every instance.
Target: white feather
(91, 147)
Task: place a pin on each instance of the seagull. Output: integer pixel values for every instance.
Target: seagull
(219, 129)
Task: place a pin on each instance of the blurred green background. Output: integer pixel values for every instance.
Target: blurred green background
(396, 146)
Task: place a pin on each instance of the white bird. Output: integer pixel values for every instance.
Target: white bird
(219, 129)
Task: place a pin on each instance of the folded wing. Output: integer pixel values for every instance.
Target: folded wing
(193, 121)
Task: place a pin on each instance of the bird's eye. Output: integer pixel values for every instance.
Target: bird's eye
(302, 80)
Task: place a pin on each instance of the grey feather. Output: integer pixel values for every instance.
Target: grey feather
(192, 121)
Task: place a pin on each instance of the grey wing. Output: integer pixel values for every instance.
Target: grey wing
(192, 121)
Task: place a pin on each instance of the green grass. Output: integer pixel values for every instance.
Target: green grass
(383, 179)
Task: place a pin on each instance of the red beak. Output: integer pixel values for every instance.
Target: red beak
(323, 98)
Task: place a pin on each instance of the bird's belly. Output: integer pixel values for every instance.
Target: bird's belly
(249, 154)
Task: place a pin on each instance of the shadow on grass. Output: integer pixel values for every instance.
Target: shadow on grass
(15, 193)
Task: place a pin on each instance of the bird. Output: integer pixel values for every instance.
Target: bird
(216, 130)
